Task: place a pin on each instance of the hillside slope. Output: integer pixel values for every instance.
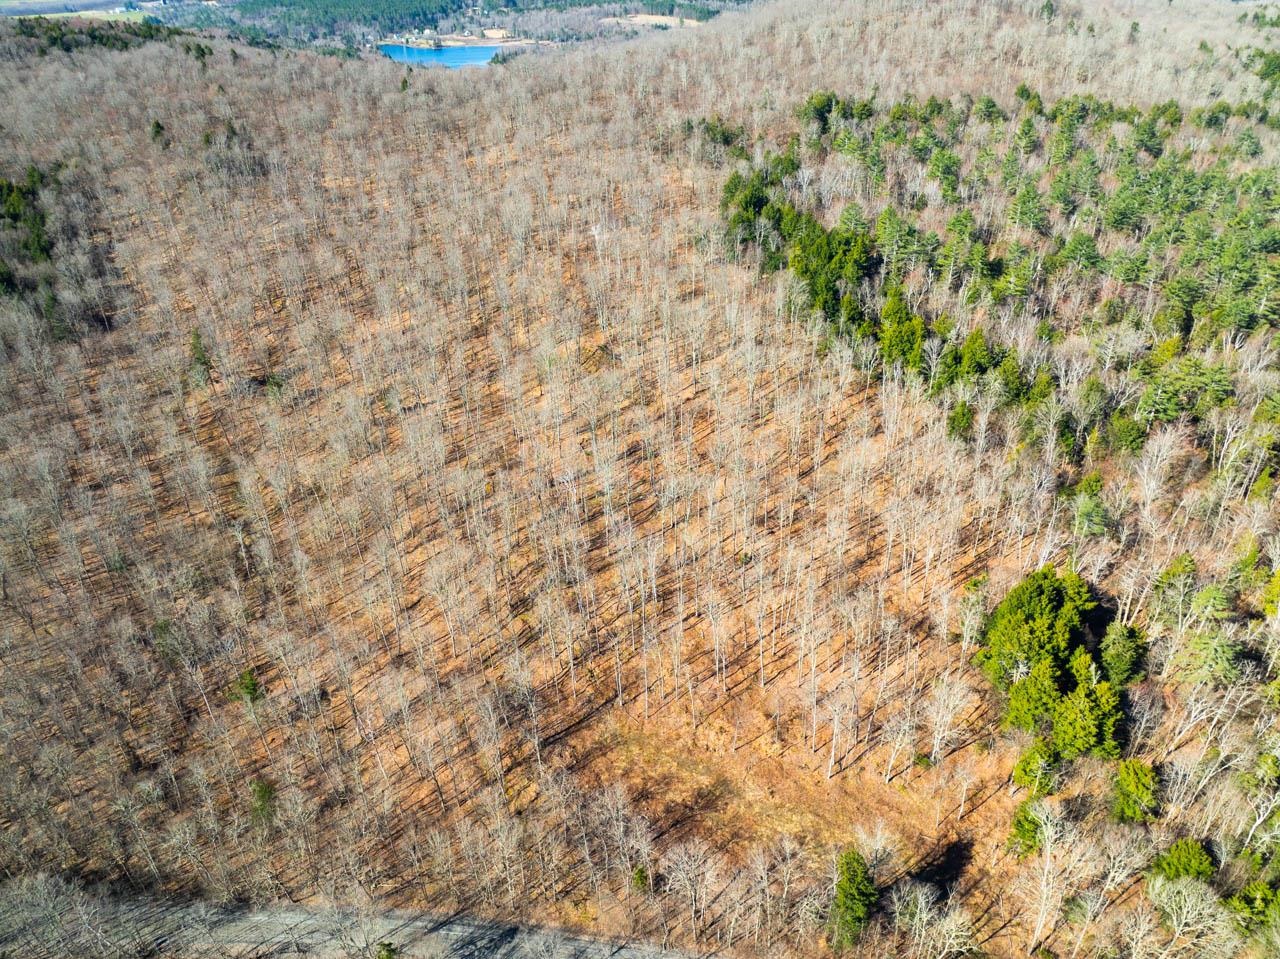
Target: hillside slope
(413, 498)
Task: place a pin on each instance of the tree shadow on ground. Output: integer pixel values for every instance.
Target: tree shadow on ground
(946, 864)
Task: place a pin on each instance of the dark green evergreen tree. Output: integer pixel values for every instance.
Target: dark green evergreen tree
(855, 899)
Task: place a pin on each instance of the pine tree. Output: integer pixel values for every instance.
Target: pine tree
(1122, 652)
(901, 333)
(960, 420)
(201, 362)
(1027, 139)
(1028, 209)
(1086, 721)
(1041, 618)
(1133, 794)
(855, 898)
(1185, 859)
(1034, 698)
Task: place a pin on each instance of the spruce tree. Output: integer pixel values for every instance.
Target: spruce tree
(855, 898)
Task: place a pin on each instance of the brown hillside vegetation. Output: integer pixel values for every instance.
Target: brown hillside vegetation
(409, 499)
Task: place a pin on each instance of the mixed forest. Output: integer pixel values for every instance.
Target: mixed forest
(353, 22)
(802, 486)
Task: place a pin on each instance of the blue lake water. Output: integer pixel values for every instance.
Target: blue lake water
(451, 57)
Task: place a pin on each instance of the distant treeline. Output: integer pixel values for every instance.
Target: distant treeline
(69, 35)
(317, 17)
(686, 11)
(332, 17)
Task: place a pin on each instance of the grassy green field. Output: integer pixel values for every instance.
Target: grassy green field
(130, 16)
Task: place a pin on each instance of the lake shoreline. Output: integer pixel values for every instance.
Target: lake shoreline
(446, 41)
(453, 57)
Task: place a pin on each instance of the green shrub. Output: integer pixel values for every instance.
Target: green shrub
(1027, 832)
(1035, 769)
(1271, 595)
(262, 801)
(1256, 904)
(960, 420)
(201, 361)
(247, 689)
(988, 111)
(717, 131)
(640, 878)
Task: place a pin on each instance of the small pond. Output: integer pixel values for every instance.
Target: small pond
(451, 57)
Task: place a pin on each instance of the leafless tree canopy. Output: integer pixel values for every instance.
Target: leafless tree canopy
(409, 499)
